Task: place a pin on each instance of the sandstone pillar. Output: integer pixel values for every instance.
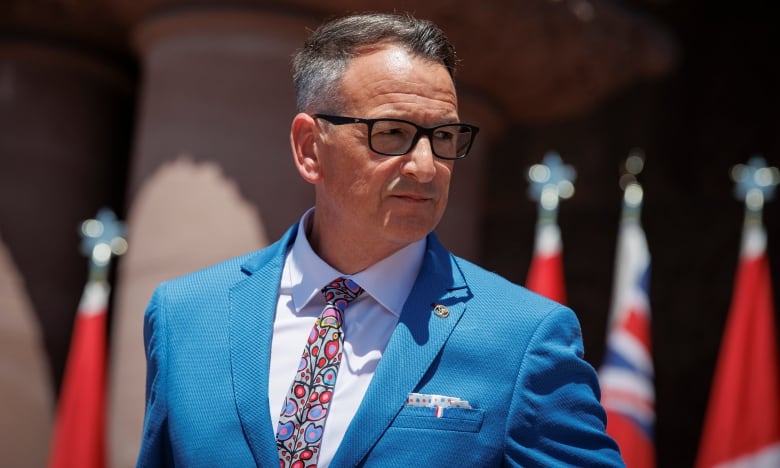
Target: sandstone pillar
(63, 136)
(212, 173)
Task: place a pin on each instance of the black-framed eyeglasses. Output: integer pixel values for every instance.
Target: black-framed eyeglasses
(396, 137)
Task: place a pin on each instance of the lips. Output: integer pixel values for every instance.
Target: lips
(417, 197)
(410, 191)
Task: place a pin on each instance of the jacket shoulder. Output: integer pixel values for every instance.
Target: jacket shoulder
(489, 284)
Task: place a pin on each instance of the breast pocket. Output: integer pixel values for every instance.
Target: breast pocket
(451, 419)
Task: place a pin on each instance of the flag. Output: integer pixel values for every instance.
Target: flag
(742, 423)
(79, 430)
(545, 276)
(626, 374)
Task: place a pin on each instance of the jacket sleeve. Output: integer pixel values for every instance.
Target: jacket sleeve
(555, 417)
(155, 444)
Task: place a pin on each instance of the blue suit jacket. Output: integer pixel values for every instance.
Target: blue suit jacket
(513, 355)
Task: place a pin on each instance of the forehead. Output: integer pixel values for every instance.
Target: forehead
(390, 81)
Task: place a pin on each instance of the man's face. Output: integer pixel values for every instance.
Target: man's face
(385, 202)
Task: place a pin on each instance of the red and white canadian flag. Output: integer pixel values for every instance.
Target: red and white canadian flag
(79, 431)
(545, 275)
(742, 423)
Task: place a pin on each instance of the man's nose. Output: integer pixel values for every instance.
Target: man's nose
(419, 162)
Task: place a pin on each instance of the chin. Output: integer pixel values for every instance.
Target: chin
(410, 225)
(410, 231)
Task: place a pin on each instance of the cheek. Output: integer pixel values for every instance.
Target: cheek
(361, 178)
(357, 186)
(444, 174)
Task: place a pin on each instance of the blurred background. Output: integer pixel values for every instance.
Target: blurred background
(175, 114)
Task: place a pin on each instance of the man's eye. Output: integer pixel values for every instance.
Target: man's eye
(397, 130)
(444, 135)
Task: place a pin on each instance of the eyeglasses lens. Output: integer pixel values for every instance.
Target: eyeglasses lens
(392, 137)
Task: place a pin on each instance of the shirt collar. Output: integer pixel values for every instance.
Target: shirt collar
(305, 273)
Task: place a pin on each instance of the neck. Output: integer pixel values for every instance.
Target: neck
(345, 253)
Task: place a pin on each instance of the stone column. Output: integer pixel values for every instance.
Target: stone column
(64, 120)
(25, 383)
(212, 172)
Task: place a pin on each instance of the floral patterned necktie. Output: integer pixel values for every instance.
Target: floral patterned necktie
(305, 409)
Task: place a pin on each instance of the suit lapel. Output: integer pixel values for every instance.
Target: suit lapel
(252, 311)
(415, 343)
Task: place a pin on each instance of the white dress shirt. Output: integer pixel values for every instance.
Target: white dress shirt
(368, 323)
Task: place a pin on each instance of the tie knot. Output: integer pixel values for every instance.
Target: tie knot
(341, 291)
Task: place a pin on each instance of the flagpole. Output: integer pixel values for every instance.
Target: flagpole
(742, 422)
(79, 430)
(551, 181)
(627, 373)
(630, 220)
(755, 184)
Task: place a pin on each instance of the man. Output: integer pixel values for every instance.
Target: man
(423, 359)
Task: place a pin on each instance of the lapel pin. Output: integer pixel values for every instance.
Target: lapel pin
(441, 311)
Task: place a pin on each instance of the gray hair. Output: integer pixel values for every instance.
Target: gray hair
(320, 64)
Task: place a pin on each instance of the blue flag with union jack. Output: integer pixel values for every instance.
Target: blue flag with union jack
(626, 374)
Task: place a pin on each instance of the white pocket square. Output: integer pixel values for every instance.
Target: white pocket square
(435, 401)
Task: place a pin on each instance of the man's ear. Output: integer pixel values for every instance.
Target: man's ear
(304, 142)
